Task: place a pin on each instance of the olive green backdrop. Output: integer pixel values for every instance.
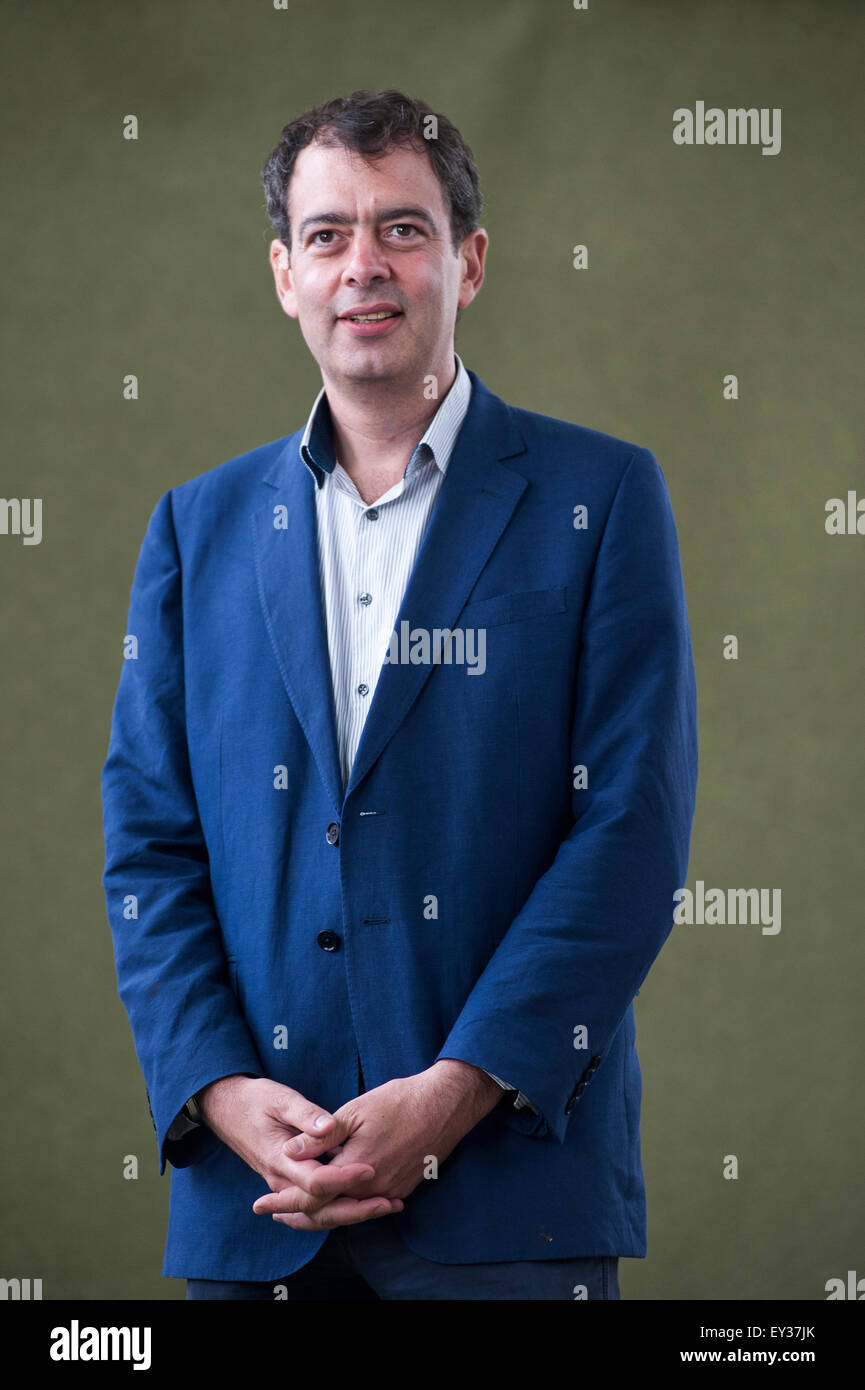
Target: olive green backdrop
(149, 257)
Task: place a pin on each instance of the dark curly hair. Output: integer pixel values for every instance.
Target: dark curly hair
(372, 124)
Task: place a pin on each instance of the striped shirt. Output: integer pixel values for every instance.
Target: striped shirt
(366, 553)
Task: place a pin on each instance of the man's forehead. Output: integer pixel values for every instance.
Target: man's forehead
(336, 169)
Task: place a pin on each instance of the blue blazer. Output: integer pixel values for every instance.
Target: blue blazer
(487, 899)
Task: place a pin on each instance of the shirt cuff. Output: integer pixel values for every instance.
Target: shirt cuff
(181, 1126)
(522, 1101)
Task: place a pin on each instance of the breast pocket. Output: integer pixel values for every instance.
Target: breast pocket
(514, 607)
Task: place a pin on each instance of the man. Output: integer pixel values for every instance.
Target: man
(400, 785)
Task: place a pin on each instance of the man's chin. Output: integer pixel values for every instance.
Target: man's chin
(370, 366)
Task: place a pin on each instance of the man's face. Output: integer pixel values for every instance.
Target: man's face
(374, 235)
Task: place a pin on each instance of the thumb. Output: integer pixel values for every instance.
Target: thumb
(318, 1138)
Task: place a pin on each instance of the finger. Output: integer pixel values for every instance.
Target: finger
(292, 1197)
(293, 1201)
(316, 1183)
(305, 1145)
(330, 1180)
(345, 1211)
(299, 1113)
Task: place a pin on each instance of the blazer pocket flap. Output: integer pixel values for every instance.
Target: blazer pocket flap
(511, 608)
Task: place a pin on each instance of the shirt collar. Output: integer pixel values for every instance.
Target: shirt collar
(316, 445)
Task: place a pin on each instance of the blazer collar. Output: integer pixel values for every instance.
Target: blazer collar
(316, 445)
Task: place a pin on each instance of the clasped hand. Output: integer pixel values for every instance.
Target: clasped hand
(375, 1149)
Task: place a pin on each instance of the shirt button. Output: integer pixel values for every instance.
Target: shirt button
(372, 514)
(364, 599)
(363, 689)
(328, 940)
(332, 833)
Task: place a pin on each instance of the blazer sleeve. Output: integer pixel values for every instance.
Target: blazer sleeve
(172, 973)
(584, 940)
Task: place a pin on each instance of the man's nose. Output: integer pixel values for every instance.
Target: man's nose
(367, 259)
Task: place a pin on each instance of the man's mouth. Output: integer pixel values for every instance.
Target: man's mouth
(373, 318)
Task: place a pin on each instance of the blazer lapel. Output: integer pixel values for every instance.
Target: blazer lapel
(289, 587)
(475, 504)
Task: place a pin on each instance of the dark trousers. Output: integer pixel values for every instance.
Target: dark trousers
(372, 1261)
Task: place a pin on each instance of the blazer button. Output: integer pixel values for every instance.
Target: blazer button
(328, 940)
(572, 1098)
(332, 833)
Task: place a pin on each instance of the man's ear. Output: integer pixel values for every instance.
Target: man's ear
(473, 252)
(280, 264)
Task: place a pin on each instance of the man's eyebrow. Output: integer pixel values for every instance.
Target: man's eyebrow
(338, 219)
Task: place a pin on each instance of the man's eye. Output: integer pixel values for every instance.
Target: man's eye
(400, 227)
